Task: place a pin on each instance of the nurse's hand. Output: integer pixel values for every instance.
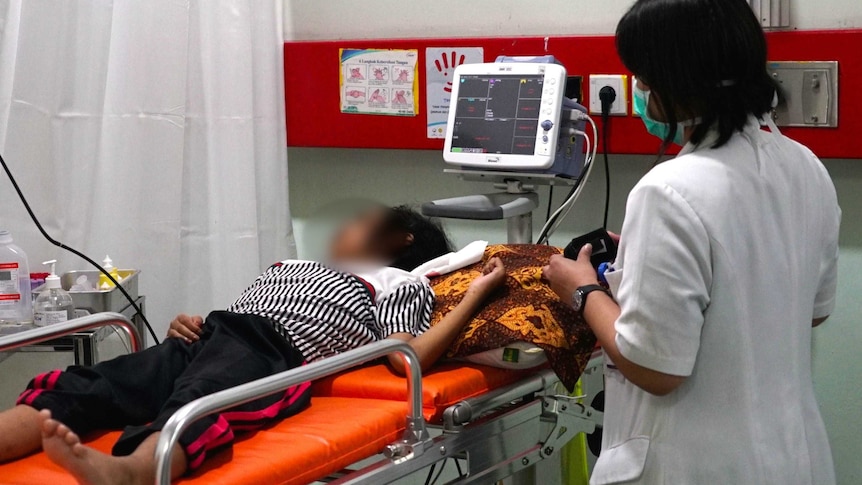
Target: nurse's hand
(565, 276)
(186, 327)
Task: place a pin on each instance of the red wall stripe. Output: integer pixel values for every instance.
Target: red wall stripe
(314, 118)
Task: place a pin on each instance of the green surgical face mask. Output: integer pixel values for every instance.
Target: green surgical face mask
(640, 104)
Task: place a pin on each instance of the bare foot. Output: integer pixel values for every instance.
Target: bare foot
(88, 466)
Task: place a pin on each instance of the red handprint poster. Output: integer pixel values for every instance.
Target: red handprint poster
(378, 81)
(440, 63)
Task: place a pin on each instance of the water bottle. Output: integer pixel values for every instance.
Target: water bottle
(16, 307)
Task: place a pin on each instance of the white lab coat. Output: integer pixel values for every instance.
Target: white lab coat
(727, 255)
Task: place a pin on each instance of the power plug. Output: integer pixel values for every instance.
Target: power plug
(619, 106)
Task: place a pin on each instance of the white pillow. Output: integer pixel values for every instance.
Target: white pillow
(517, 355)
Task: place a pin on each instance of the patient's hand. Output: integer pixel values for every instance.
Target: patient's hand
(186, 327)
(493, 277)
(431, 344)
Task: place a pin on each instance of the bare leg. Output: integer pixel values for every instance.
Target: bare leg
(20, 432)
(91, 467)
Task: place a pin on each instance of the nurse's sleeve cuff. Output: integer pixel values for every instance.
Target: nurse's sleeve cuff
(674, 366)
(823, 310)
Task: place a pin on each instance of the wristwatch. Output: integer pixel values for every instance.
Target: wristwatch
(579, 297)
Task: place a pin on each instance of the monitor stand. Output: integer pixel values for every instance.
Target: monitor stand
(515, 205)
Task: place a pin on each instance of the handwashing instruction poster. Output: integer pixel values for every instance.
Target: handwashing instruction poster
(440, 63)
(378, 81)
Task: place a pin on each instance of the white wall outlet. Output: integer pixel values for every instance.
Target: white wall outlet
(620, 85)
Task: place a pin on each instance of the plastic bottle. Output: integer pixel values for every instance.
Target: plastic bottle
(54, 305)
(104, 282)
(16, 307)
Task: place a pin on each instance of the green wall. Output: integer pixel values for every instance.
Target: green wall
(325, 182)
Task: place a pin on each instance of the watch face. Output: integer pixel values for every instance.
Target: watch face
(578, 300)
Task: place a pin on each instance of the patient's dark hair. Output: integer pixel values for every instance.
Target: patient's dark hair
(702, 58)
(429, 238)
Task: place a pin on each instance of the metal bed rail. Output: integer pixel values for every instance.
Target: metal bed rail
(503, 433)
(415, 439)
(90, 322)
(510, 442)
(469, 409)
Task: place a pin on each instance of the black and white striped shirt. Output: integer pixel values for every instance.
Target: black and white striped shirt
(322, 311)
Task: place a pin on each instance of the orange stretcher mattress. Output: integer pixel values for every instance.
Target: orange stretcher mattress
(315, 443)
(443, 386)
(318, 441)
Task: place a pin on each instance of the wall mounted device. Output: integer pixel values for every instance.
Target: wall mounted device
(773, 14)
(809, 93)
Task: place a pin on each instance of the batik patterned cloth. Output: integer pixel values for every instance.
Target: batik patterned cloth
(525, 309)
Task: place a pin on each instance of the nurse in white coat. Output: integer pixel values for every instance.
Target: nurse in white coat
(727, 260)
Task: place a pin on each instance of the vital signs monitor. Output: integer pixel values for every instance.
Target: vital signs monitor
(510, 124)
(505, 116)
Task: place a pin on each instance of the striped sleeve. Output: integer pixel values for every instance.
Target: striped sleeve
(406, 310)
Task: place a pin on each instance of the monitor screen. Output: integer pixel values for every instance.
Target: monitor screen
(497, 113)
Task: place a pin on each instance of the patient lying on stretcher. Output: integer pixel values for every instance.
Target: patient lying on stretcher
(295, 312)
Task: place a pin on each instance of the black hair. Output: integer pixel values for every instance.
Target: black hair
(428, 242)
(700, 58)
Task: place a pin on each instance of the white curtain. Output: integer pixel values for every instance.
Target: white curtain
(153, 131)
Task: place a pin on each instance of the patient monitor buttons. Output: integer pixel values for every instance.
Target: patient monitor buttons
(546, 125)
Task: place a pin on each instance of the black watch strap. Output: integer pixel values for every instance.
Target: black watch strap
(581, 294)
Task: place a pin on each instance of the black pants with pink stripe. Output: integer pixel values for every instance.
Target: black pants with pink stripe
(139, 392)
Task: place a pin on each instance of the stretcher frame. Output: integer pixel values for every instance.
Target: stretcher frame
(503, 433)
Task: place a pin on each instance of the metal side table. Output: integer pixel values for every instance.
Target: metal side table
(84, 344)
